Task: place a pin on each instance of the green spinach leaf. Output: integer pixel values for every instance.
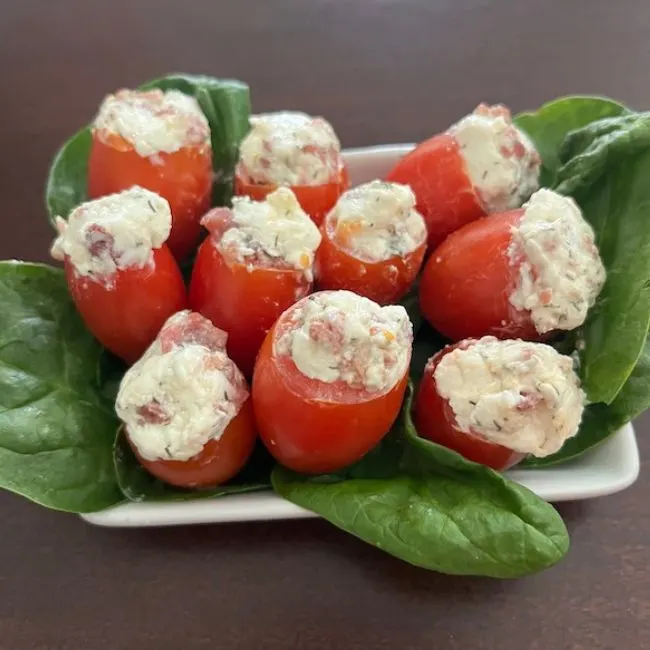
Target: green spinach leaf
(66, 182)
(606, 170)
(588, 154)
(56, 427)
(436, 510)
(137, 484)
(549, 125)
(226, 104)
(600, 421)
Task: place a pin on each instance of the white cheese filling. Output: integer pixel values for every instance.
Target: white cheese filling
(341, 336)
(501, 161)
(154, 121)
(290, 148)
(177, 398)
(560, 272)
(521, 395)
(277, 228)
(377, 221)
(112, 233)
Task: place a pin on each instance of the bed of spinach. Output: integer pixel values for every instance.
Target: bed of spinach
(414, 499)
(56, 426)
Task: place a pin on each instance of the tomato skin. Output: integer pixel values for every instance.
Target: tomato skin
(241, 301)
(466, 283)
(126, 317)
(316, 436)
(315, 200)
(434, 420)
(385, 282)
(218, 461)
(183, 177)
(436, 172)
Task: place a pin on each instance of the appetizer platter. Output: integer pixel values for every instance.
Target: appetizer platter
(423, 344)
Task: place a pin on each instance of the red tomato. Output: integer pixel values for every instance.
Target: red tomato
(217, 462)
(436, 172)
(434, 420)
(127, 316)
(244, 299)
(467, 281)
(384, 282)
(183, 177)
(315, 200)
(312, 427)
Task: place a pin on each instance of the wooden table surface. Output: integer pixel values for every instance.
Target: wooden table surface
(381, 71)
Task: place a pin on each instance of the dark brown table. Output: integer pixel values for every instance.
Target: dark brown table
(382, 71)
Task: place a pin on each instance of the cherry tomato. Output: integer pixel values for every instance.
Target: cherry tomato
(244, 299)
(467, 281)
(312, 427)
(218, 461)
(315, 200)
(436, 172)
(434, 420)
(183, 177)
(384, 282)
(127, 315)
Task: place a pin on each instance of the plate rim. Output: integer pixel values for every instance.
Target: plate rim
(268, 506)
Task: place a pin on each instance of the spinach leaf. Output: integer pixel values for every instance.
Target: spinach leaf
(66, 182)
(56, 428)
(600, 421)
(548, 126)
(605, 168)
(226, 104)
(588, 154)
(137, 484)
(436, 510)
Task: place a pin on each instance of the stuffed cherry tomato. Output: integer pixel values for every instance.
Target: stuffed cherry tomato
(186, 408)
(496, 402)
(160, 141)
(330, 379)
(520, 274)
(373, 242)
(481, 165)
(257, 262)
(294, 150)
(121, 275)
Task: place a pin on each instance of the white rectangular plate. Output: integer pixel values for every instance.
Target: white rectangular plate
(609, 468)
